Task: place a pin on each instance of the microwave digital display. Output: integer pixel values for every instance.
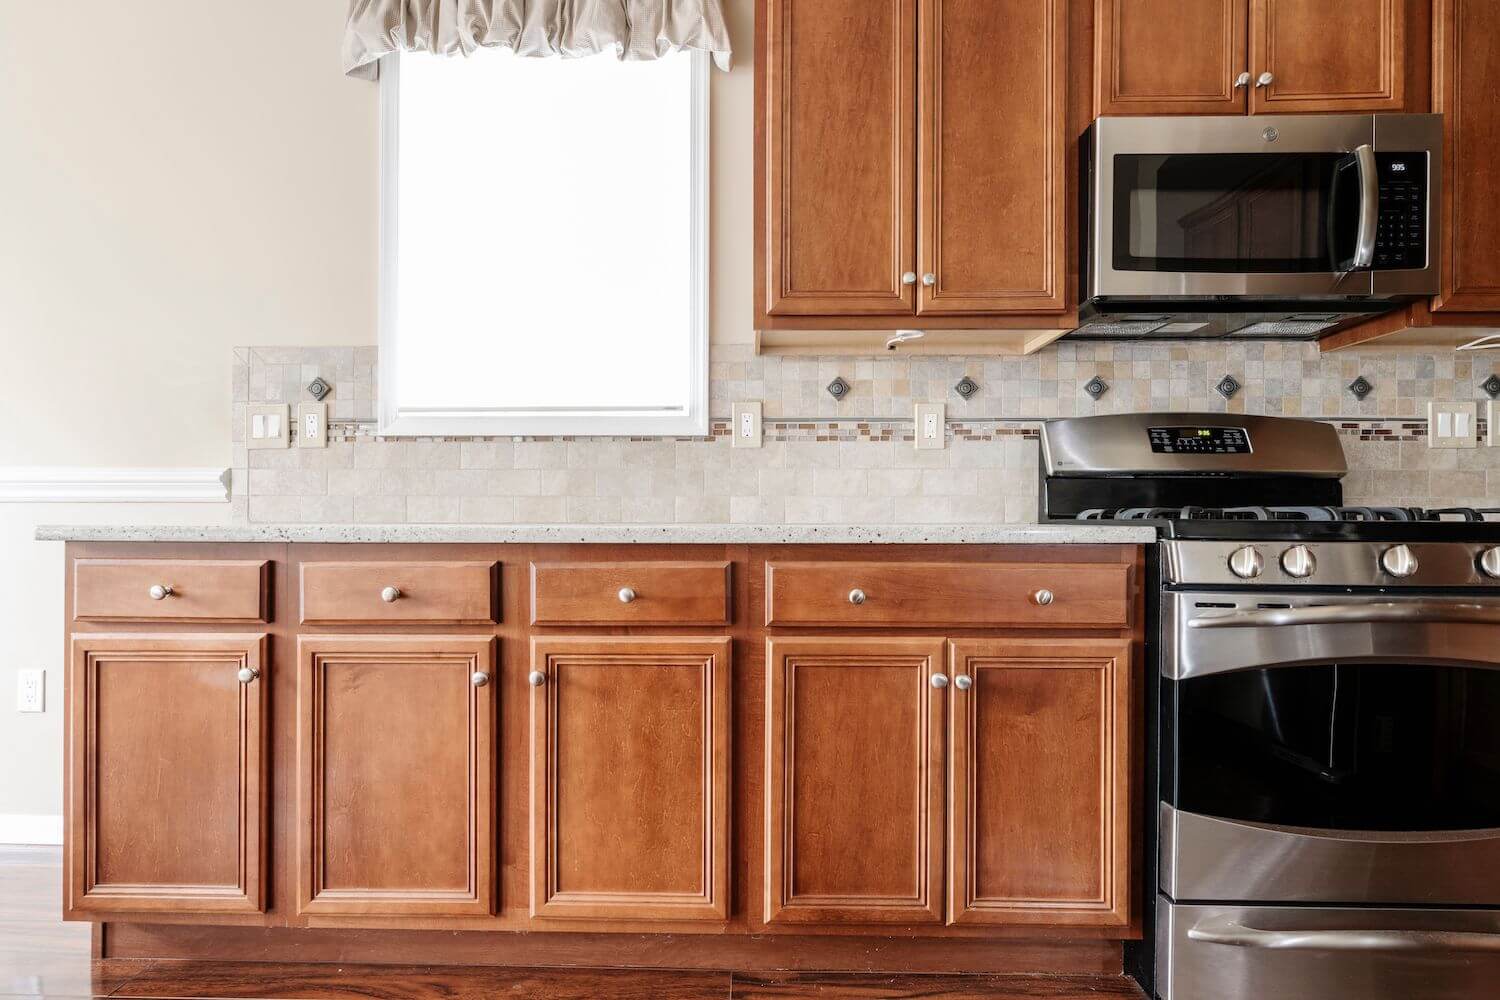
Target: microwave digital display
(1199, 440)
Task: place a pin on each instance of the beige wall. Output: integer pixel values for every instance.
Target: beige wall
(180, 178)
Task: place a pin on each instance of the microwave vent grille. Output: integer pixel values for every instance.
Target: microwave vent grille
(1285, 328)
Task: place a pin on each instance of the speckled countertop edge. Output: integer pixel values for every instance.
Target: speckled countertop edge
(704, 534)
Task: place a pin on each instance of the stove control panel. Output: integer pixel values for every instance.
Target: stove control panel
(1199, 440)
(1387, 565)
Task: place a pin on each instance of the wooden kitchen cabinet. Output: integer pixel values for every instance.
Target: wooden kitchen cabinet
(1171, 57)
(630, 778)
(166, 782)
(396, 775)
(854, 781)
(1039, 794)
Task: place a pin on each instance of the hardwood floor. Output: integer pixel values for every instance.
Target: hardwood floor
(43, 958)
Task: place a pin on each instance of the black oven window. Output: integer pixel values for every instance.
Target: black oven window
(1240, 213)
(1350, 747)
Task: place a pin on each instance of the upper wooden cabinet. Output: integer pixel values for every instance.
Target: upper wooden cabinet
(1155, 57)
(891, 184)
(166, 774)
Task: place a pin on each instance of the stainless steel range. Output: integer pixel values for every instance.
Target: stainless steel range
(1326, 714)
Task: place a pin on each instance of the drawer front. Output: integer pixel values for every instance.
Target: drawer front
(440, 593)
(630, 593)
(171, 590)
(951, 594)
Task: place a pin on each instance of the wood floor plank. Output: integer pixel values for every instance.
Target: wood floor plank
(805, 986)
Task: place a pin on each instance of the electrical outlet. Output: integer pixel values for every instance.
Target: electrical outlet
(270, 426)
(1452, 425)
(312, 425)
(31, 690)
(745, 424)
(931, 420)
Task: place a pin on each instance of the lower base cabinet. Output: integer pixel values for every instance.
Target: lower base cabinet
(396, 775)
(630, 778)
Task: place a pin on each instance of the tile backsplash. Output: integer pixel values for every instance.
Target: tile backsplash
(848, 460)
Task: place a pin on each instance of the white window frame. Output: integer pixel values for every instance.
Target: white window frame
(690, 420)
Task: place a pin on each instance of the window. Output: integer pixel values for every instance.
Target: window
(544, 245)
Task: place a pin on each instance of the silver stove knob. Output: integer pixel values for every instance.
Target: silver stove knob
(1489, 563)
(1246, 563)
(1298, 561)
(1399, 561)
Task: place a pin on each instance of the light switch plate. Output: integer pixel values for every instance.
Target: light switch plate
(312, 425)
(745, 424)
(31, 690)
(270, 426)
(931, 420)
(1491, 411)
(1452, 425)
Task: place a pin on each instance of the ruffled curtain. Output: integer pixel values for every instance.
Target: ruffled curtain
(633, 29)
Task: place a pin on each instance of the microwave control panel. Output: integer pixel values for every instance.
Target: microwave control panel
(1401, 235)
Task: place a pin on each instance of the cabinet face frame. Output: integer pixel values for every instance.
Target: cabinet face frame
(1109, 98)
(783, 904)
(1113, 661)
(224, 651)
(553, 656)
(467, 654)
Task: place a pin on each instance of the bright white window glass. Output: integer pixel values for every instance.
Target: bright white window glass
(544, 254)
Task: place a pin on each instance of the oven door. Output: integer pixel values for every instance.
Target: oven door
(1331, 749)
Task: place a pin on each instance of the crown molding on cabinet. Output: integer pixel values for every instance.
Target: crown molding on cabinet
(96, 484)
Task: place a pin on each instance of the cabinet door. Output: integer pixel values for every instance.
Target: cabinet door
(993, 170)
(1170, 57)
(1346, 56)
(1040, 794)
(396, 775)
(166, 774)
(630, 778)
(854, 781)
(1467, 79)
(837, 128)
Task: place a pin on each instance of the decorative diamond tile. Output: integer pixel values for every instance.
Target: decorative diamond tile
(1491, 386)
(1361, 387)
(1228, 386)
(1096, 387)
(838, 388)
(317, 389)
(966, 387)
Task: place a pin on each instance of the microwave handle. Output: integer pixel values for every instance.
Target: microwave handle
(1369, 206)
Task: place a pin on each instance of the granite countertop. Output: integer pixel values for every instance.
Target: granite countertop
(708, 534)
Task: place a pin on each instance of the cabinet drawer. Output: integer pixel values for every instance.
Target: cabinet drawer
(958, 594)
(443, 593)
(171, 590)
(630, 593)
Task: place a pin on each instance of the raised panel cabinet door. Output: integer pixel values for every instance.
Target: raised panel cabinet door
(630, 778)
(836, 125)
(1321, 56)
(1039, 796)
(1171, 57)
(166, 774)
(993, 156)
(396, 775)
(854, 780)
(1467, 80)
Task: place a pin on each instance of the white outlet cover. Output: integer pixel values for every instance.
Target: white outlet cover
(312, 425)
(268, 425)
(931, 426)
(31, 690)
(1452, 425)
(744, 424)
(1491, 411)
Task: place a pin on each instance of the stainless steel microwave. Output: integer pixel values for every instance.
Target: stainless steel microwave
(1277, 216)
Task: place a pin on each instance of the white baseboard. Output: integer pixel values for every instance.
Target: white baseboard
(19, 828)
(96, 484)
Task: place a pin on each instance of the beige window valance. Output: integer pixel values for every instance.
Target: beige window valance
(634, 29)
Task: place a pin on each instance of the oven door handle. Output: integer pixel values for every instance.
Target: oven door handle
(1225, 930)
(1420, 612)
(1369, 207)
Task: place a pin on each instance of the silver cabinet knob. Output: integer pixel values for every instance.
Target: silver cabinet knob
(626, 595)
(1399, 561)
(1298, 561)
(1489, 563)
(909, 278)
(938, 681)
(929, 279)
(1044, 597)
(1246, 563)
(1264, 80)
(963, 682)
(479, 678)
(856, 596)
(247, 674)
(390, 595)
(536, 678)
(159, 592)
(1243, 80)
